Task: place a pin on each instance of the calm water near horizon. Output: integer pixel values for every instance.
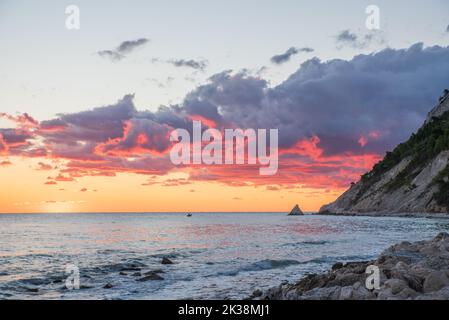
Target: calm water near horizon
(215, 255)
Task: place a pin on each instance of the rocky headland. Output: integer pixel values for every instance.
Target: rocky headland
(412, 180)
(408, 271)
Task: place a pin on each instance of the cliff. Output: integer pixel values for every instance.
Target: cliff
(412, 179)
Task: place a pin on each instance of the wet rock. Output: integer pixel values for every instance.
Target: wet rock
(385, 294)
(356, 267)
(435, 281)
(154, 271)
(401, 267)
(346, 293)
(166, 260)
(359, 292)
(86, 287)
(442, 236)
(407, 293)
(330, 293)
(291, 295)
(442, 294)
(151, 277)
(312, 281)
(337, 266)
(345, 279)
(396, 285)
(257, 293)
(414, 282)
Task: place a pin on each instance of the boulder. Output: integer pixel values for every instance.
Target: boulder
(150, 277)
(331, 293)
(296, 211)
(166, 260)
(396, 285)
(385, 294)
(257, 293)
(407, 293)
(346, 293)
(359, 292)
(345, 279)
(435, 281)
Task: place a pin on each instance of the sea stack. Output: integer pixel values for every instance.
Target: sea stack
(296, 211)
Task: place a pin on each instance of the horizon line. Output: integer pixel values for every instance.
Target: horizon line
(147, 212)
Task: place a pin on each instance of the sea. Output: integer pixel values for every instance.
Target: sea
(214, 255)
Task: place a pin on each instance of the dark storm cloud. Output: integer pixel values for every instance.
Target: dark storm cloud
(326, 112)
(14, 137)
(369, 103)
(284, 57)
(123, 49)
(94, 125)
(382, 97)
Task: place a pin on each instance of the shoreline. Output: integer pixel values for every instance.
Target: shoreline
(426, 215)
(407, 271)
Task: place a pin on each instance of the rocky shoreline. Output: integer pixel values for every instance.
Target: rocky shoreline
(408, 271)
(425, 215)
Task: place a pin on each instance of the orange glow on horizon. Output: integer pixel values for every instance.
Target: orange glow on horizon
(24, 189)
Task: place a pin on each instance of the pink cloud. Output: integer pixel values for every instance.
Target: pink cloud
(362, 141)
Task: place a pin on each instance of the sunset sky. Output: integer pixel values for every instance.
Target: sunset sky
(85, 115)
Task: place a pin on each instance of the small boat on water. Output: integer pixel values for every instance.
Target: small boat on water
(189, 215)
